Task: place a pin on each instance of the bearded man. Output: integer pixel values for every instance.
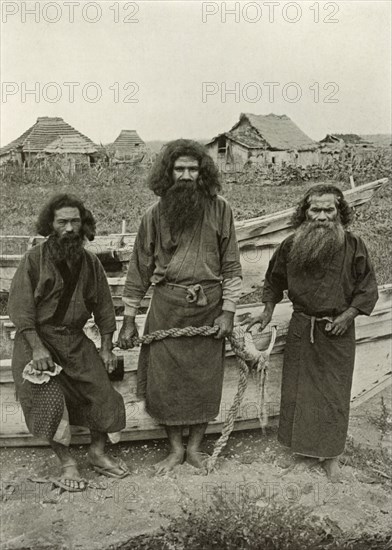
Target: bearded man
(186, 247)
(330, 281)
(56, 288)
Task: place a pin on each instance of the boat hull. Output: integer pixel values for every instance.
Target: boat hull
(372, 373)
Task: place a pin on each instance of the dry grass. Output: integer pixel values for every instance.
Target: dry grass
(231, 525)
(122, 193)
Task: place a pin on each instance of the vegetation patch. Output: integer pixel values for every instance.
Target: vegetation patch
(376, 463)
(118, 193)
(382, 421)
(227, 524)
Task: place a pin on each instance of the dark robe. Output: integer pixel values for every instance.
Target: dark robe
(57, 309)
(317, 377)
(181, 379)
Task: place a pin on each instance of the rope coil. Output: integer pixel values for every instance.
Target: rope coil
(248, 357)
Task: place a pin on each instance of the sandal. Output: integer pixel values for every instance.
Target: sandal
(65, 486)
(109, 471)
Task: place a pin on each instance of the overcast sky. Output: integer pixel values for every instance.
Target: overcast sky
(330, 75)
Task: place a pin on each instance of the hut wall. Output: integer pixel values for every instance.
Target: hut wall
(278, 157)
(293, 158)
(308, 158)
(69, 163)
(326, 157)
(212, 149)
(7, 158)
(237, 155)
(230, 158)
(360, 153)
(258, 156)
(130, 154)
(13, 157)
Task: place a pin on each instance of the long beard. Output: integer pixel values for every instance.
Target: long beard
(67, 248)
(182, 205)
(315, 244)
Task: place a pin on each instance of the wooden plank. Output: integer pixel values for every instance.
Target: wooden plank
(373, 350)
(138, 421)
(378, 386)
(367, 328)
(141, 426)
(84, 438)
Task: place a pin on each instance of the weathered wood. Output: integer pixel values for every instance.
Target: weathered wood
(372, 369)
(368, 393)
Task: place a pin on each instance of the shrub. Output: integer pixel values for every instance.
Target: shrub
(231, 525)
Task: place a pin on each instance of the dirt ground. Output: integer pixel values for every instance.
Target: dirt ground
(111, 512)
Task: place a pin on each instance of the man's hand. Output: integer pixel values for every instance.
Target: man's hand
(225, 322)
(109, 360)
(339, 326)
(128, 333)
(42, 360)
(258, 317)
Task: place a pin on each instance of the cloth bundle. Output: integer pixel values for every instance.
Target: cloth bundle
(36, 376)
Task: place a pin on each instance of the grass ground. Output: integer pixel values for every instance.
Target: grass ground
(116, 195)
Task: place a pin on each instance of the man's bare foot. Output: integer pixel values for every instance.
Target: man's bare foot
(196, 458)
(70, 478)
(107, 466)
(331, 466)
(173, 459)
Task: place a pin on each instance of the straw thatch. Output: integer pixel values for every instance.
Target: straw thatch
(277, 131)
(71, 144)
(43, 133)
(127, 145)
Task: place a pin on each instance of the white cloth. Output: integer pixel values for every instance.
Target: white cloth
(39, 376)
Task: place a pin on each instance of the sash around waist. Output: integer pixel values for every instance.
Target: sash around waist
(59, 329)
(178, 293)
(206, 286)
(317, 316)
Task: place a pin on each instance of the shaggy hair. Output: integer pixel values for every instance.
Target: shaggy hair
(89, 226)
(344, 210)
(44, 223)
(161, 176)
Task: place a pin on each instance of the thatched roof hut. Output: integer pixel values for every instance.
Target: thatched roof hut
(47, 135)
(270, 139)
(128, 147)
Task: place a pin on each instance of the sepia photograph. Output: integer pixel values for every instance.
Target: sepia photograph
(195, 275)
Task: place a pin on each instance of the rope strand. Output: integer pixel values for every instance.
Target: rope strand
(247, 357)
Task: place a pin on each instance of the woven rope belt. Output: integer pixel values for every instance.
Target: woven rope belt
(314, 320)
(248, 357)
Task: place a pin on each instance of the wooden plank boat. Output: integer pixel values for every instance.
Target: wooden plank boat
(257, 238)
(372, 373)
